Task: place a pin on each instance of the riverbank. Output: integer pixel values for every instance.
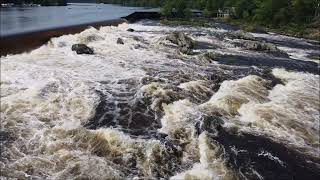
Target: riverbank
(307, 31)
(310, 31)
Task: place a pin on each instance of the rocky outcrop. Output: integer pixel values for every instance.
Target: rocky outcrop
(82, 49)
(248, 41)
(240, 35)
(184, 42)
(261, 46)
(120, 41)
(208, 57)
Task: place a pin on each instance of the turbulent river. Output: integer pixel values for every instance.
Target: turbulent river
(143, 110)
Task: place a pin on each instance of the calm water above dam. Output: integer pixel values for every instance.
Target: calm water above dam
(22, 19)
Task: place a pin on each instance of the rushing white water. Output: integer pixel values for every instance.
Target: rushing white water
(294, 52)
(211, 164)
(49, 95)
(293, 112)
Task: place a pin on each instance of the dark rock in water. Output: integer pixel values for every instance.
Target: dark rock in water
(120, 41)
(137, 46)
(261, 46)
(137, 38)
(240, 35)
(206, 58)
(140, 39)
(248, 41)
(184, 42)
(82, 49)
(130, 30)
(273, 81)
(210, 56)
(185, 50)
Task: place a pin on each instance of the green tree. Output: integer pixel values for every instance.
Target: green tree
(302, 10)
(166, 9)
(180, 6)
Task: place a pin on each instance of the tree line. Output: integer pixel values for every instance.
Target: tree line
(260, 11)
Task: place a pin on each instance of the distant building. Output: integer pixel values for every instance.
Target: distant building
(224, 13)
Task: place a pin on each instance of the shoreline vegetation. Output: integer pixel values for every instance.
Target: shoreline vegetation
(298, 18)
(35, 2)
(306, 31)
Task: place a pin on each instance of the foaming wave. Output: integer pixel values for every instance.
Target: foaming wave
(211, 164)
(178, 121)
(293, 112)
(233, 94)
(59, 153)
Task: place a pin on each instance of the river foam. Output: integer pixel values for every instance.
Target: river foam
(145, 110)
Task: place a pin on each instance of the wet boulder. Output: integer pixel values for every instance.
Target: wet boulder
(240, 35)
(185, 50)
(261, 46)
(206, 58)
(209, 56)
(82, 49)
(120, 41)
(184, 42)
(138, 38)
(130, 30)
(140, 46)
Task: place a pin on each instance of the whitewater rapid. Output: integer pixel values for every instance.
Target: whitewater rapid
(143, 110)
